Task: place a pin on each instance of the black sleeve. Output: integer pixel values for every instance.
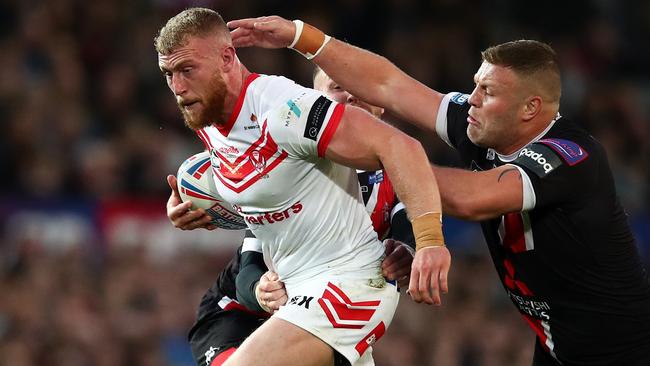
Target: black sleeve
(251, 268)
(401, 229)
(455, 119)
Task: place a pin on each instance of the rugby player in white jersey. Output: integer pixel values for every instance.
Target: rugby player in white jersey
(278, 151)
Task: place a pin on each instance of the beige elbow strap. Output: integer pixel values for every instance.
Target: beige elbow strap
(309, 41)
(428, 230)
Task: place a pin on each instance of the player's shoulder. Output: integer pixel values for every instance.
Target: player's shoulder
(565, 146)
(273, 91)
(272, 83)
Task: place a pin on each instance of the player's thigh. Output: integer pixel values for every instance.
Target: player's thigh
(280, 343)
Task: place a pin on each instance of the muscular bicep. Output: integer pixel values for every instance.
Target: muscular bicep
(415, 103)
(480, 195)
(378, 81)
(356, 140)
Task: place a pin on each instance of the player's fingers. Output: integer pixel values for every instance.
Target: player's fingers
(271, 286)
(424, 285)
(413, 286)
(275, 305)
(199, 223)
(399, 262)
(389, 246)
(242, 23)
(190, 219)
(173, 183)
(277, 294)
(269, 282)
(239, 34)
(388, 263)
(434, 281)
(271, 24)
(391, 270)
(444, 272)
(399, 269)
(272, 276)
(175, 212)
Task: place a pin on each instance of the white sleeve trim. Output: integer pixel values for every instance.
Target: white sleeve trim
(529, 198)
(398, 207)
(251, 245)
(441, 119)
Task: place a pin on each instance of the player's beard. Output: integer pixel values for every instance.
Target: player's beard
(211, 106)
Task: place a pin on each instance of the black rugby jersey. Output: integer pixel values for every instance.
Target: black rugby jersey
(570, 263)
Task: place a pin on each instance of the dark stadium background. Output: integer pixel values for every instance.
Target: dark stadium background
(92, 273)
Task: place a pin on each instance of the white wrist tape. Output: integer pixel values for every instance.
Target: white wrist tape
(327, 39)
(299, 25)
(307, 39)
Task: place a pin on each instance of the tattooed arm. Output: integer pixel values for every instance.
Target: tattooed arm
(481, 195)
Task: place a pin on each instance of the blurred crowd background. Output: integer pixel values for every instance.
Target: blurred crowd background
(91, 271)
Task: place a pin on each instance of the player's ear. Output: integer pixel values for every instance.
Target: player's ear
(532, 106)
(228, 57)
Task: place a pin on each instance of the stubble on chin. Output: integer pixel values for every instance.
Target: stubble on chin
(192, 123)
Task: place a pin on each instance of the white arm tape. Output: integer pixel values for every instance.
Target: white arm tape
(327, 39)
(299, 25)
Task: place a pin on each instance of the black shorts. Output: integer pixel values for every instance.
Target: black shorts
(220, 331)
(224, 331)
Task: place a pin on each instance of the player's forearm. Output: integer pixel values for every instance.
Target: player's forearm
(415, 184)
(252, 268)
(407, 165)
(476, 196)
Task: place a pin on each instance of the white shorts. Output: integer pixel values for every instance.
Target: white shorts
(348, 314)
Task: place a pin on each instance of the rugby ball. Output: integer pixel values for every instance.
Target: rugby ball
(196, 184)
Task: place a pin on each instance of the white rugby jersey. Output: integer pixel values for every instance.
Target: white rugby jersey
(268, 162)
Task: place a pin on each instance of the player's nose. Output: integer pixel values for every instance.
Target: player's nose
(178, 86)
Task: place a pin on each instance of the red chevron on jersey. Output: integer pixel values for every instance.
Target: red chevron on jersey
(343, 312)
(257, 161)
(237, 164)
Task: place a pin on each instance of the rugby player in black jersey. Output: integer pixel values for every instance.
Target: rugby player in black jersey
(540, 185)
(230, 310)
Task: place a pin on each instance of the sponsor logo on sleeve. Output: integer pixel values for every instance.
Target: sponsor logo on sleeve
(316, 117)
(569, 151)
(460, 98)
(376, 177)
(294, 108)
(538, 158)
